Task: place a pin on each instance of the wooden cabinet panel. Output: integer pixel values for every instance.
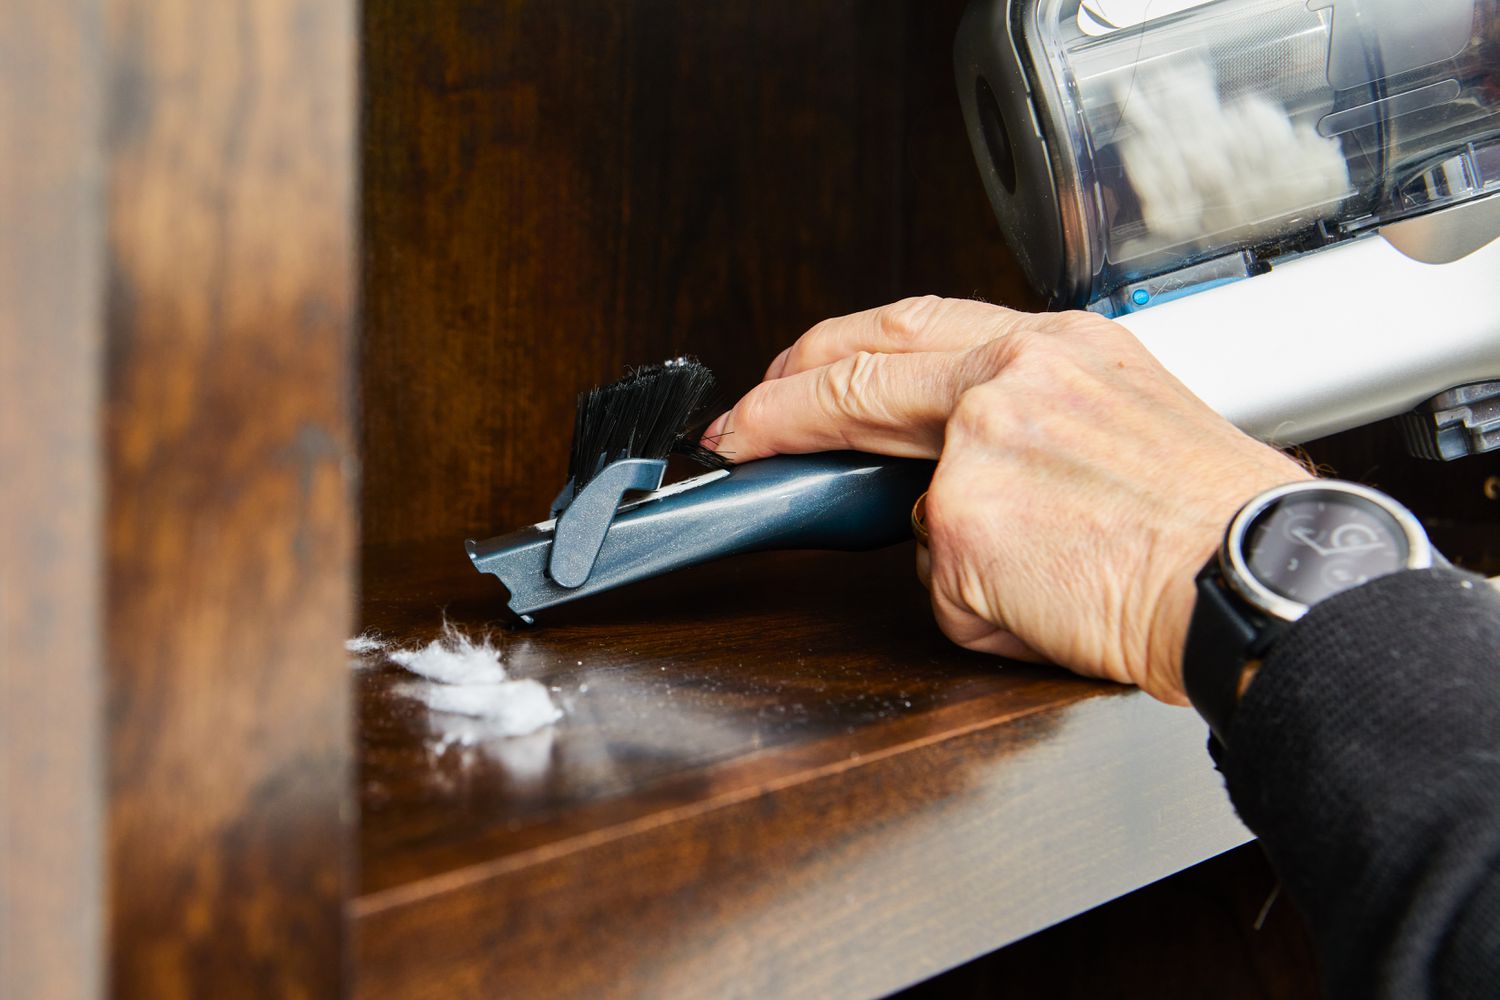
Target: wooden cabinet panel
(555, 190)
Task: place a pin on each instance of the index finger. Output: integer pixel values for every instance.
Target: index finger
(889, 404)
(925, 323)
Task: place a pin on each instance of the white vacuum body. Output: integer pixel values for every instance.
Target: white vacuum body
(1294, 203)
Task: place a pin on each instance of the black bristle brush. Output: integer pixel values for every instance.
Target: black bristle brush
(650, 413)
(622, 435)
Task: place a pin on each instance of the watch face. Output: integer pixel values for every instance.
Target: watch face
(1311, 545)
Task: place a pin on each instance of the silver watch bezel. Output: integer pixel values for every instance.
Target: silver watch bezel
(1242, 581)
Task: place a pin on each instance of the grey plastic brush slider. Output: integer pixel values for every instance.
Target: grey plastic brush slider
(838, 500)
(582, 526)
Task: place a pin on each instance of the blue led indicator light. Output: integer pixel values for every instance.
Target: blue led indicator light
(1141, 297)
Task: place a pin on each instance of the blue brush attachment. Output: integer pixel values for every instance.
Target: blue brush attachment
(836, 500)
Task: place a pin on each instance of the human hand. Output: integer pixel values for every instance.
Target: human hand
(1079, 488)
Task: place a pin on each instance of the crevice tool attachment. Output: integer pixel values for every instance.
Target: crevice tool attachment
(834, 500)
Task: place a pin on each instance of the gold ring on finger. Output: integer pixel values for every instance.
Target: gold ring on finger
(919, 520)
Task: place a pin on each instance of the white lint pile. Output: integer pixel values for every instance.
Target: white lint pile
(454, 659)
(465, 678)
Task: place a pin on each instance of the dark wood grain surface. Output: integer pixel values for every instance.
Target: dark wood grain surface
(230, 523)
(774, 777)
(554, 190)
(51, 494)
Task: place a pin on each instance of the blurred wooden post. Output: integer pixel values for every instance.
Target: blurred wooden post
(51, 683)
(178, 261)
(230, 521)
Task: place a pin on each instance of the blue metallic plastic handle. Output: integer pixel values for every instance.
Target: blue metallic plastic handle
(836, 500)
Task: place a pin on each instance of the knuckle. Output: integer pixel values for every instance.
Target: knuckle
(1031, 345)
(1039, 359)
(817, 331)
(810, 343)
(982, 411)
(994, 356)
(908, 319)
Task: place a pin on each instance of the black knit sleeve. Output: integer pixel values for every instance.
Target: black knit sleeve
(1366, 756)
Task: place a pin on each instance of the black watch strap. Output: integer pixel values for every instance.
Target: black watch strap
(1221, 639)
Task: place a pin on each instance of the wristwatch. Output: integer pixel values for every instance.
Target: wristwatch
(1286, 550)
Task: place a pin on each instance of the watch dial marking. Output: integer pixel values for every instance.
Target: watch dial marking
(1309, 546)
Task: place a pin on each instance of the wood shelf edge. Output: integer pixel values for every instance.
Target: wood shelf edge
(856, 881)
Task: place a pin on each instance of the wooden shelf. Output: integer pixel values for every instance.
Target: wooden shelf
(774, 777)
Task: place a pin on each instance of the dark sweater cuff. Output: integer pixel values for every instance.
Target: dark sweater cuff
(1363, 753)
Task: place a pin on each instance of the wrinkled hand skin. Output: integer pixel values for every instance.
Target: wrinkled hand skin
(1079, 487)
